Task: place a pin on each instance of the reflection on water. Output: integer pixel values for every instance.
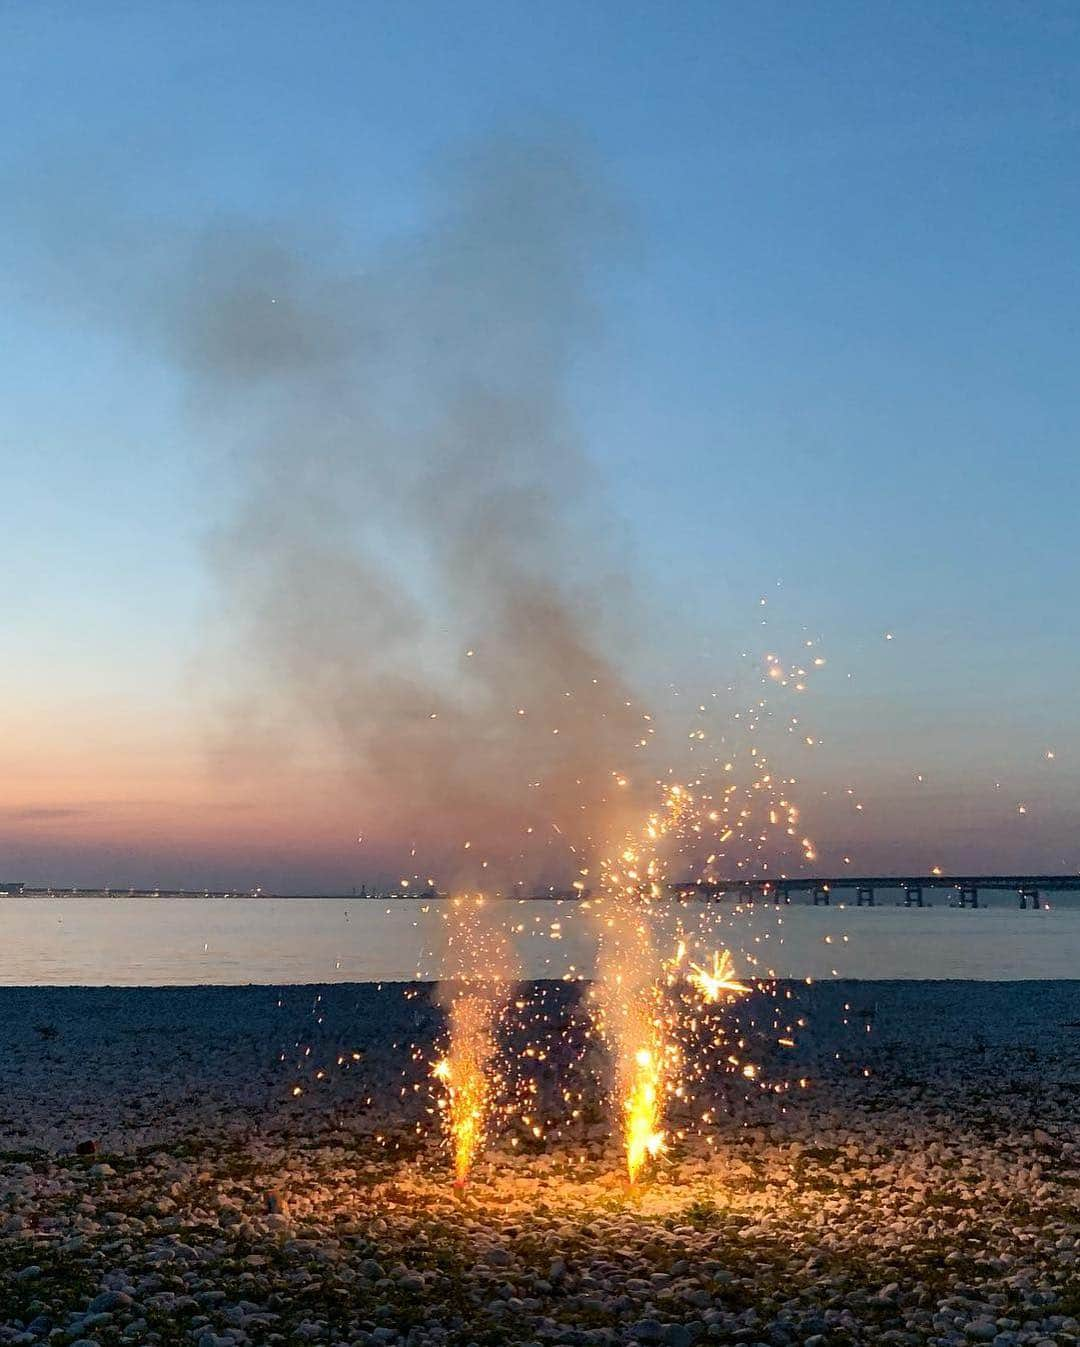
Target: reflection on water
(122, 941)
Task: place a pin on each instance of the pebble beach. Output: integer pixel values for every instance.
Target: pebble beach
(248, 1165)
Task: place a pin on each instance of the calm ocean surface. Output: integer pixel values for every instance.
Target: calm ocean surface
(94, 940)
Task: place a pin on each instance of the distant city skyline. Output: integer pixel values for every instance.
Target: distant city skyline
(828, 363)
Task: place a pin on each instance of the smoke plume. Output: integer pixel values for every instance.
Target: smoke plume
(418, 574)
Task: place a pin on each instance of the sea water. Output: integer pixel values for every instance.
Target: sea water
(101, 940)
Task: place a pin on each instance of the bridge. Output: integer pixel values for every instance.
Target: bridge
(1028, 888)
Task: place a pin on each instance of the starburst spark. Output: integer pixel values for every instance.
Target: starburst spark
(719, 979)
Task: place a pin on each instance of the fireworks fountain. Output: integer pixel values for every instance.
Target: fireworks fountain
(466, 1073)
(479, 957)
(630, 995)
(646, 1003)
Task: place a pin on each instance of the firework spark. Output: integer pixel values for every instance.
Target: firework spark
(719, 979)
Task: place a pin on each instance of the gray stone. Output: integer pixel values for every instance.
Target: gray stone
(109, 1300)
(647, 1330)
(678, 1335)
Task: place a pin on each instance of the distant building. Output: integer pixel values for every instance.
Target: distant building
(12, 886)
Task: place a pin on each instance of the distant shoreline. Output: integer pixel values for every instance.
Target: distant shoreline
(844, 894)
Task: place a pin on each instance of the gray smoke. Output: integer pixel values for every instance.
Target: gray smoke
(410, 487)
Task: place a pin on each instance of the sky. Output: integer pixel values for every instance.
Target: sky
(831, 364)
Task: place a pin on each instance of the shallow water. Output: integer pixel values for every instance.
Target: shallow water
(94, 940)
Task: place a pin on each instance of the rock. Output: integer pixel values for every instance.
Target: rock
(96, 1319)
(678, 1335)
(109, 1300)
(87, 1147)
(647, 1330)
(276, 1205)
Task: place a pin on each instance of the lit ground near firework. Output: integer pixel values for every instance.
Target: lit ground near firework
(935, 1200)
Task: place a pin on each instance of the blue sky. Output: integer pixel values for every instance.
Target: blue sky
(838, 351)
